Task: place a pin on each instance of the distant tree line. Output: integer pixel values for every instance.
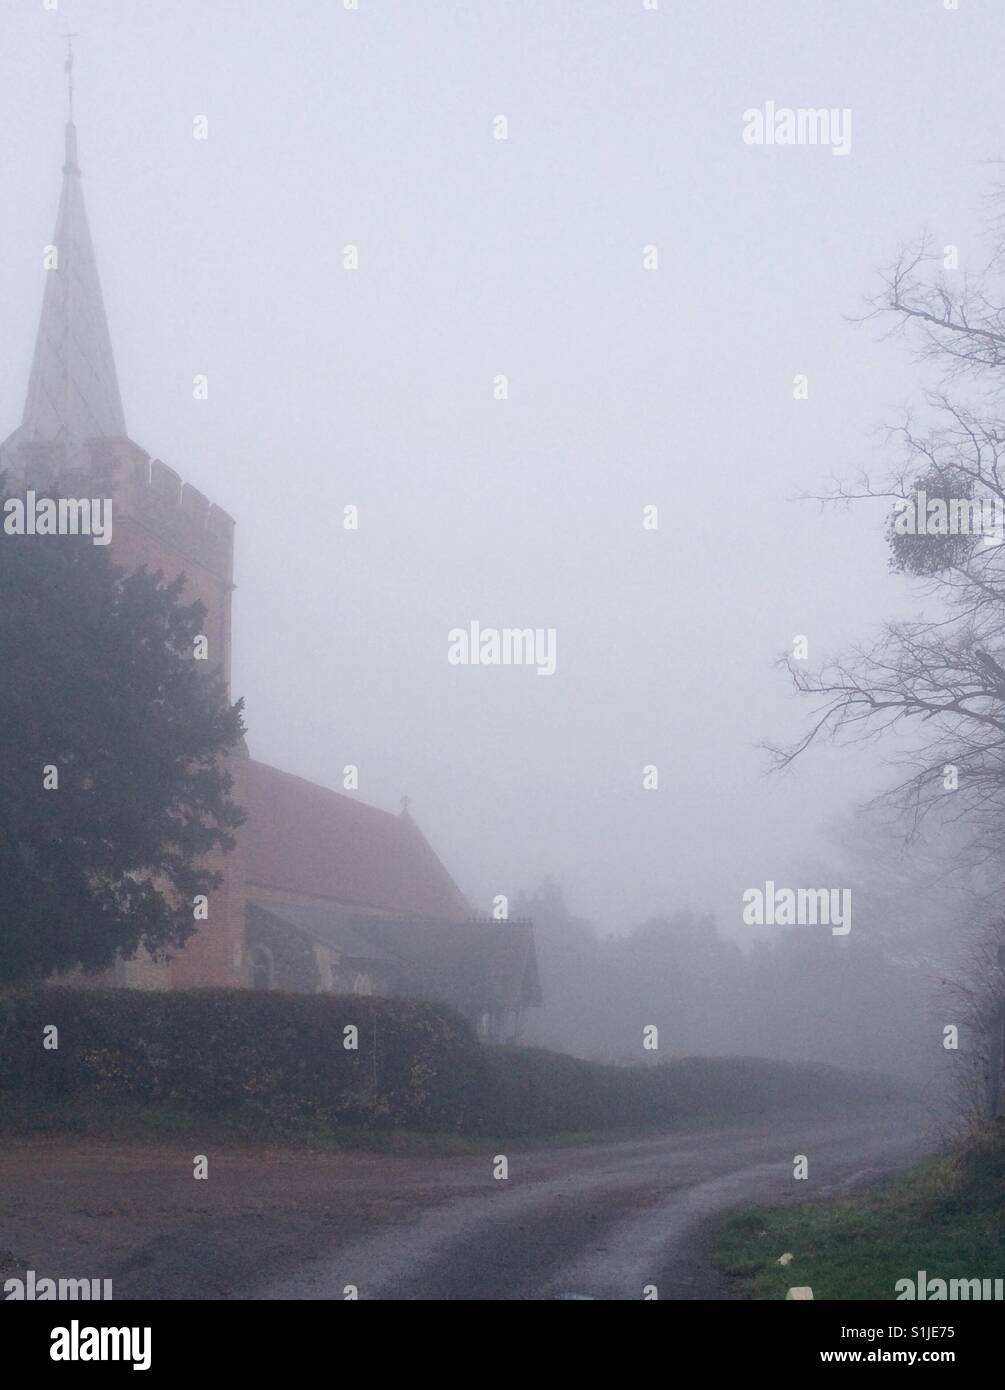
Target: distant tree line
(798, 995)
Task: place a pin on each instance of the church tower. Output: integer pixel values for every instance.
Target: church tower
(73, 432)
(72, 437)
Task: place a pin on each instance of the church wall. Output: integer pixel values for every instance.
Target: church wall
(170, 527)
(295, 962)
(143, 972)
(215, 954)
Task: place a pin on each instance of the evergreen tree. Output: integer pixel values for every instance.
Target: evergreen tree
(113, 788)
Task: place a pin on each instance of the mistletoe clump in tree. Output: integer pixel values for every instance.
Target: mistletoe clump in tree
(939, 678)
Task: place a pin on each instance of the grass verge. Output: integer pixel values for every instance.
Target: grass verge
(244, 1127)
(946, 1216)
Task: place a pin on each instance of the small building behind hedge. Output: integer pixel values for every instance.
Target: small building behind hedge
(347, 899)
(485, 970)
(339, 897)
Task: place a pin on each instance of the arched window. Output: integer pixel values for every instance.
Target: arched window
(262, 968)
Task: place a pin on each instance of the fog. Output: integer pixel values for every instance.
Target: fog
(628, 387)
(502, 664)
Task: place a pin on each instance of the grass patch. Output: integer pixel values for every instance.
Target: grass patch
(256, 1129)
(236, 1129)
(946, 1216)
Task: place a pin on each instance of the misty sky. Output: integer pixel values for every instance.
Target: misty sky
(627, 387)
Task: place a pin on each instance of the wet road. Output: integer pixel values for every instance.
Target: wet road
(600, 1222)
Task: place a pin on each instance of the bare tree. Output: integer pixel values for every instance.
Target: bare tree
(933, 688)
(938, 680)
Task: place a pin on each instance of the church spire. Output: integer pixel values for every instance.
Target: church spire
(73, 392)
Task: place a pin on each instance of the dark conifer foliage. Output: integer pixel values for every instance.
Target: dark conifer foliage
(98, 681)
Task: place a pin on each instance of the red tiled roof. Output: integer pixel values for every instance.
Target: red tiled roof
(304, 839)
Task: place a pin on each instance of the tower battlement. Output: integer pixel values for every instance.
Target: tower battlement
(144, 489)
(153, 496)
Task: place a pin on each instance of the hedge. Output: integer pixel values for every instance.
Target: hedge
(537, 1092)
(416, 1066)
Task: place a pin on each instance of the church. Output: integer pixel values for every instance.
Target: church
(323, 892)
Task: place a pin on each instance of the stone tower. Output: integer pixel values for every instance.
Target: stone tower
(73, 435)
